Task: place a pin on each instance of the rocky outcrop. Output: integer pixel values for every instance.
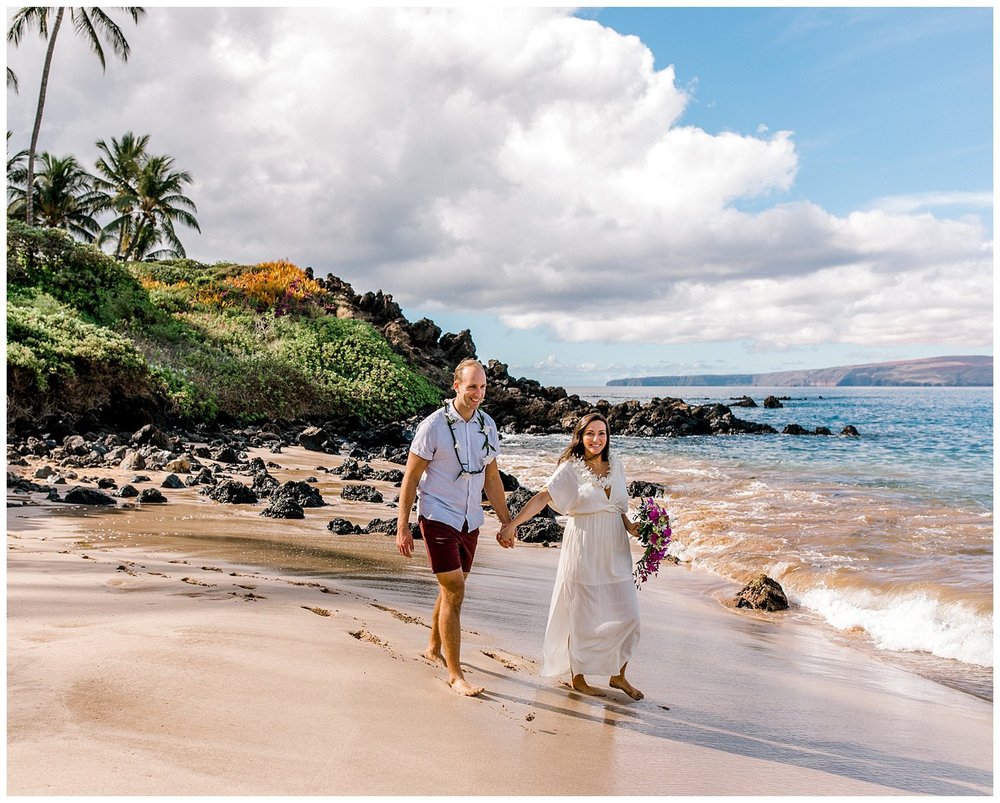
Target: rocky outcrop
(432, 353)
(525, 406)
(762, 594)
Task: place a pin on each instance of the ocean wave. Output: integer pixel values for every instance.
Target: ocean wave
(912, 621)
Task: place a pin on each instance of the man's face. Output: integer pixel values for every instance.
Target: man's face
(470, 389)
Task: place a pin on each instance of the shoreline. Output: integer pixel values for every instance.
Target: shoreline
(213, 676)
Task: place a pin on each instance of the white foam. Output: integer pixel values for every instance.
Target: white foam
(908, 622)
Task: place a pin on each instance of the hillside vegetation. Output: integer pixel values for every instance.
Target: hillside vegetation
(94, 340)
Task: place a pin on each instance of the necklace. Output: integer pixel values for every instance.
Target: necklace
(487, 446)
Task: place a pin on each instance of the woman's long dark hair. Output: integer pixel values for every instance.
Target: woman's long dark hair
(575, 448)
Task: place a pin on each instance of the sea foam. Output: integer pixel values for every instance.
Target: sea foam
(910, 622)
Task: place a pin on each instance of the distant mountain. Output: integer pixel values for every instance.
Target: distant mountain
(970, 371)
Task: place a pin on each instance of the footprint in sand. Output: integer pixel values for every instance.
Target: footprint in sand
(364, 635)
(513, 663)
(249, 596)
(403, 617)
(194, 582)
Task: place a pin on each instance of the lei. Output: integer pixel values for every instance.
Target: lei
(487, 446)
(589, 476)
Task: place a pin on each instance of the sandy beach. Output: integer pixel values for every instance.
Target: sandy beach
(198, 648)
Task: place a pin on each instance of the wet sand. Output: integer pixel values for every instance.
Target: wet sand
(198, 648)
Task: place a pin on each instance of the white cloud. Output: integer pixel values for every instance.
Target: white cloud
(917, 202)
(522, 162)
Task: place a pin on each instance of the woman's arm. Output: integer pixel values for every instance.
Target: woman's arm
(632, 527)
(533, 506)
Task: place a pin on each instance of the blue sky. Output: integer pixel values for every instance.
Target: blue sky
(619, 192)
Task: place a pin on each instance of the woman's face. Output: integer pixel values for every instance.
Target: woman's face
(595, 438)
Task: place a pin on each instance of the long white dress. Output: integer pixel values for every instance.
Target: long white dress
(593, 624)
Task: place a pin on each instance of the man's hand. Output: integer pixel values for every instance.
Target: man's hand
(507, 536)
(404, 540)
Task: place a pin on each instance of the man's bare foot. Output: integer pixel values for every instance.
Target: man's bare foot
(619, 682)
(580, 684)
(466, 689)
(435, 657)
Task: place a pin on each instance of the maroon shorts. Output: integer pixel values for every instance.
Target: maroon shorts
(447, 548)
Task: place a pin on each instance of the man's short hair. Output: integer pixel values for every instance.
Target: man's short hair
(466, 363)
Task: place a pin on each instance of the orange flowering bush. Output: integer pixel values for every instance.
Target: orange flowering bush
(277, 284)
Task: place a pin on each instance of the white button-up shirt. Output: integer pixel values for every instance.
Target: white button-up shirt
(447, 493)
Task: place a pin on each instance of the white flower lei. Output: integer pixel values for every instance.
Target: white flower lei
(588, 476)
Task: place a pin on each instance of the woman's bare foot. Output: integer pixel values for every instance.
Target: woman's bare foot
(619, 682)
(580, 684)
(466, 689)
(435, 657)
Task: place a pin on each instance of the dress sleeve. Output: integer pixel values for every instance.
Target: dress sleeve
(564, 488)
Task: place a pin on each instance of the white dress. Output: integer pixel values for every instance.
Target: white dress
(593, 623)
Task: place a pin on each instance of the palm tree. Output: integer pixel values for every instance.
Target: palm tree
(146, 193)
(12, 80)
(117, 178)
(92, 24)
(63, 196)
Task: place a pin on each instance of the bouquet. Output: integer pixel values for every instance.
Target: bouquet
(654, 535)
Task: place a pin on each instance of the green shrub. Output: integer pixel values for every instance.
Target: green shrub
(82, 276)
(59, 362)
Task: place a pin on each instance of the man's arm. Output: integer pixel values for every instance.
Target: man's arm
(415, 468)
(493, 486)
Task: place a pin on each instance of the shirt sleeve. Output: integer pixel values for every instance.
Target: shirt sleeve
(493, 437)
(564, 488)
(423, 443)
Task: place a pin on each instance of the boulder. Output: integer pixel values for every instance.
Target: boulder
(850, 432)
(384, 526)
(313, 438)
(343, 527)
(133, 461)
(539, 530)
(87, 496)
(126, 492)
(182, 465)
(762, 594)
(302, 493)
(639, 488)
(151, 496)
(510, 482)
(231, 492)
(772, 403)
(172, 481)
(361, 493)
(226, 455)
(519, 498)
(283, 507)
(150, 436)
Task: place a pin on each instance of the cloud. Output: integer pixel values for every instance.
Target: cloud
(520, 162)
(917, 202)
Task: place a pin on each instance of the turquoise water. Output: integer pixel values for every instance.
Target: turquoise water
(886, 539)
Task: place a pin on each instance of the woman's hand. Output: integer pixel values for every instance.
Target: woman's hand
(507, 535)
(632, 527)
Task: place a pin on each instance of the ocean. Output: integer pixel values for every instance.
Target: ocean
(884, 541)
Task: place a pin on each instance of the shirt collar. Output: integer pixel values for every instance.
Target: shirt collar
(453, 413)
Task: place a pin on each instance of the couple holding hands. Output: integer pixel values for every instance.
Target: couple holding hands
(593, 624)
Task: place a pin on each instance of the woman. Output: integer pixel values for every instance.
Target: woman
(594, 615)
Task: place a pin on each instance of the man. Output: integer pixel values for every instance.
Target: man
(453, 458)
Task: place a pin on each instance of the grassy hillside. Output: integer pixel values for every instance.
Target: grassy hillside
(92, 339)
